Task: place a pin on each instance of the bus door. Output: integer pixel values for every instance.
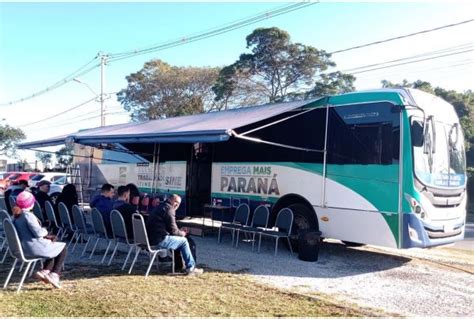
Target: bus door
(199, 181)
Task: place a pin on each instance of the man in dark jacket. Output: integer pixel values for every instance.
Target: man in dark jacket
(42, 196)
(163, 232)
(104, 204)
(125, 208)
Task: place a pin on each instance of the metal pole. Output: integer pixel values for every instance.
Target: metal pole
(103, 61)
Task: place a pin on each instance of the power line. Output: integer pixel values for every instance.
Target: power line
(429, 53)
(207, 34)
(402, 36)
(55, 115)
(409, 62)
(66, 79)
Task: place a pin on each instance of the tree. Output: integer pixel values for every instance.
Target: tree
(9, 137)
(277, 70)
(64, 157)
(44, 158)
(160, 90)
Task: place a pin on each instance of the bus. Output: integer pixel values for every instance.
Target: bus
(384, 167)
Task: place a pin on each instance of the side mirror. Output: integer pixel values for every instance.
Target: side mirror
(417, 133)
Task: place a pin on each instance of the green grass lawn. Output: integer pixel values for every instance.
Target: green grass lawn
(90, 290)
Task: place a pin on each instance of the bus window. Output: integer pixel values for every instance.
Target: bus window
(363, 134)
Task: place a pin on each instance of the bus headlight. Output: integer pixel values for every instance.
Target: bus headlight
(416, 206)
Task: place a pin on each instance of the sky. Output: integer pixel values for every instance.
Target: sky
(41, 43)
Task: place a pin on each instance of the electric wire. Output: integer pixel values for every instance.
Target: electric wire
(204, 35)
(55, 115)
(402, 36)
(66, 79)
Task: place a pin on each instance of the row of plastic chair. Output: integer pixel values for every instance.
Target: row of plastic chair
(259, 225)
(140, 241)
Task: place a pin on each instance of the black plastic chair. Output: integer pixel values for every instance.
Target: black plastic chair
(37, 211)
(284, 223)
(241, 218)
(52, 218)
(16, 251)
(66, 223)
(259, 223)
(81, 228)
(100, 232)
(120, 235)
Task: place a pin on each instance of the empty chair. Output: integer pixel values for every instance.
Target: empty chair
(3, 215)
(81, 228)
(283, 223)
(12, 202)
(120, 235)
(37, 211)
(140, 237)
(16, 252)
(48, 207)
(100, 232)
(258, 224)
(241, 218)
(66, 223)
(3, 204)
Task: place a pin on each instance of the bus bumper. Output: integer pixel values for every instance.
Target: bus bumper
(417, 233)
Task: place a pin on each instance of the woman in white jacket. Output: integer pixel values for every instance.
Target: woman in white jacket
(36, 241)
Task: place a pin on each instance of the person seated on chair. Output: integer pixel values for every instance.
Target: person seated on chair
(14, 190)
(125, 208)
(42, 196)
(104, 204)
(164, 233)
(36, 241)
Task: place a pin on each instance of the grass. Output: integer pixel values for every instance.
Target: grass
(90, 290)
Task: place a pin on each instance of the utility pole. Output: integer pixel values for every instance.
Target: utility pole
(103, 62)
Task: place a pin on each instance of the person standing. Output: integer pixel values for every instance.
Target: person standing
(36, 241)
(164, 232)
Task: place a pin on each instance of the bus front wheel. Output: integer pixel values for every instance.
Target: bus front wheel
(304, 220)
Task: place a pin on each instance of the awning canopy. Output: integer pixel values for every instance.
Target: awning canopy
(205, 127)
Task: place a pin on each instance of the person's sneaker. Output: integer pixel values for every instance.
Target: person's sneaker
(194, 271)
(53, 279)
(41, 275)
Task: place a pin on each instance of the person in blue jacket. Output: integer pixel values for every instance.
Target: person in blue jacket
(37, 242)
(104, 203)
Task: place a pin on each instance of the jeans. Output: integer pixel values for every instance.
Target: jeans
(181, 244)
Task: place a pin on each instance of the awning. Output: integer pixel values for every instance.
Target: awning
(205, 127)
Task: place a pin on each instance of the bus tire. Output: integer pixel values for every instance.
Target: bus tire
(304, 219)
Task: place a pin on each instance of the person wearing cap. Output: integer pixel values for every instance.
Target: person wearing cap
(42, 195)
(36, 241)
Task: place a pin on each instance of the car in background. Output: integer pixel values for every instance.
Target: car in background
(4, 181)
(57, 187)
(14, 177)
(49, 176)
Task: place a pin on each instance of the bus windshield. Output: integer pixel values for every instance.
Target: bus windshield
(440, 160)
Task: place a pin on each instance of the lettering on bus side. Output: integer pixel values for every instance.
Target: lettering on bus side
(248, 180)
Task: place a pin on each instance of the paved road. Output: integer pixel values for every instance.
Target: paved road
(468, 242)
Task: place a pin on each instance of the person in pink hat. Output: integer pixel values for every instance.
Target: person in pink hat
(36, 241)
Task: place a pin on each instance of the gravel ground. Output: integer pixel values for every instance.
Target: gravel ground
(397, 282)
(403, 285)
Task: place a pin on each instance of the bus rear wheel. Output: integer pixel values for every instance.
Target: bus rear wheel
(304, 220)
